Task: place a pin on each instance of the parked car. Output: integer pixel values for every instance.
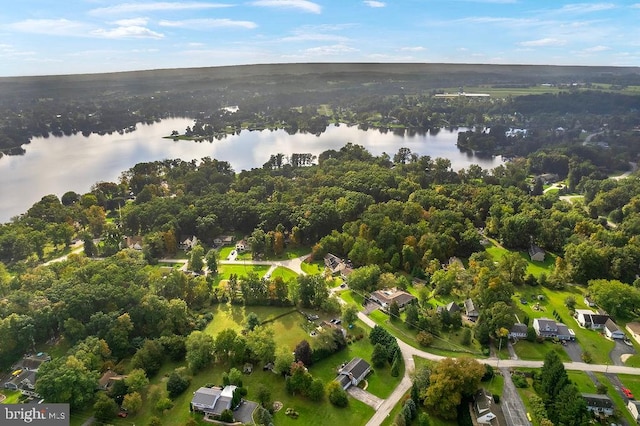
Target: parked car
(627, 393)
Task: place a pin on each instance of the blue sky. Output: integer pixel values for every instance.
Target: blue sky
(87, 36)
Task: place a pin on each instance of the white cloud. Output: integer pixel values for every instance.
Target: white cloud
(305, 5)
(131, 31)
(155, 7)
(595, 49)
(543, 42)
(204, 24)
(374, 3)
(335, 49)
(134, 21)
(586, 7)
(635, 6)
(57, 27)
(413, 49)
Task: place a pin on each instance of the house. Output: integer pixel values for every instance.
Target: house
(386, 297)
(108, 378)
(612, 331)
(634, 329)
(470, 310)
(241, 245)
(518, 331)
(353, 373)
(22, 380)
(334, 263)
(223, 240)
(590, 319)
(134, 242)
(589, 302)
(212, 400)
(188, 243)
(549, 329)
(451, 308)
(482, 407)
(634, 407)
(598, 404)
(536, 253)
(23, 377)
(548, 178)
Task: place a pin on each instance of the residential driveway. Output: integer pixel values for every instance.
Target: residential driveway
(513, 408)
(575, 353)
(620, 349)
(244, 413)
(364, 396)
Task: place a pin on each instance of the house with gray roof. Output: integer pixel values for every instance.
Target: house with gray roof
(212, 400)
(353, 373)
(518, 331)
(451, 307)
(612, 331)
(470, 310)
(549, 329)
(599, 404)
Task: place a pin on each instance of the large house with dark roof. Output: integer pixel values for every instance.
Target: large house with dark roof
(471, 312)
(590, 319)
(599, 404)
(353, 373)
(549, 329)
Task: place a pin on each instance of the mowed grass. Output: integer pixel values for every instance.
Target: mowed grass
(620, 404)
(285, 273)
(537, 351)
(589, 340)
(288, 331)
(313, 268)
(535, 268)
(582, 381)
(11, 397)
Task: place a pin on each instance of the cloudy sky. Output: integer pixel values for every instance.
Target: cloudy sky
(87, 36)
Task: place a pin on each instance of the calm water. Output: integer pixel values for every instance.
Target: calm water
(74, 163)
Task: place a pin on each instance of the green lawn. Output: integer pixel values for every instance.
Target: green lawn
(535, 268)
(285, 273)
(352, 298)
(582, 381)
(12, 397)
(633, 361)
(313, 268)
(288, 331)
(537, 351)
(589, 340)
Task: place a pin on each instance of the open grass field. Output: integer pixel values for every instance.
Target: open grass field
(537, 351)
(535, 268)
(10, 397)
(285, 273)
(582, 381)
(313, 268)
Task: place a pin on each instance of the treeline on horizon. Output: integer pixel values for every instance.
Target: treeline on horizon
(380, 96)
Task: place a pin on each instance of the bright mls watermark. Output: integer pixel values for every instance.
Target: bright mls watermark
(40, 414)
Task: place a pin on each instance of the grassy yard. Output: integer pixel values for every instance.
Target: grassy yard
(12, 397)
(448, 344)
(496, 251)
(313, 268)
(285, 273)
(590, 340)
(288, 331)
(537, 351)
(582, 381)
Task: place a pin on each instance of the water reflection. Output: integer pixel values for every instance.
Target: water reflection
(73, 163)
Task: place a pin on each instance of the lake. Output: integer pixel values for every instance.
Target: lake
(56, 165)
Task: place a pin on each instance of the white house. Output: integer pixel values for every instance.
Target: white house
(241, 245)
(212, 400)
(590, 319)
(536, 253)
(634, 407)
(353, 373)
(612, 331)
(482, 407)
(634, 329)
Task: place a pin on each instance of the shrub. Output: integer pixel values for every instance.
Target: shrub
(337, 395)
(496, 398)
(226, 416)
(520, 381)
(424, 338)
(586, 357)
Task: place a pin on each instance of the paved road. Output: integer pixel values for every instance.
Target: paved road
(513, 408)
